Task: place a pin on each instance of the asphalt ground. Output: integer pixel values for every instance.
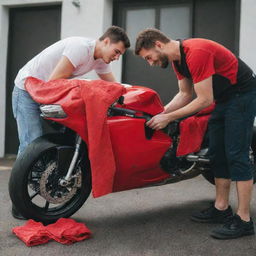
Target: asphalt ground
(151, 221)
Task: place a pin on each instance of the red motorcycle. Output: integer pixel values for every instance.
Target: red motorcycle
(54, 176)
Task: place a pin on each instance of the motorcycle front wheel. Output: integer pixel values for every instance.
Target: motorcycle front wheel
(34, 185)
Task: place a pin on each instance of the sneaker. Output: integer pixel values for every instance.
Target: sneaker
(235, 227)
(212, 215)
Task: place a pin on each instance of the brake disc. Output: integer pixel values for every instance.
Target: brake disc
(58, 194)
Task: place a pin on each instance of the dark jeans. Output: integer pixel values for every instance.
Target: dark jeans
(230, 132)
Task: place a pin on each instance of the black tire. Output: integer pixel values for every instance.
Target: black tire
(208, 175)
(24, 183)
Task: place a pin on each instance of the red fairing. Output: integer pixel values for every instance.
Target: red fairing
(143, 99)
(137, 158)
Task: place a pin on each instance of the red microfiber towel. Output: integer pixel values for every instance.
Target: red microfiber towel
(192, 131)
(65, 231)
(86, 104)
(98, 96)
(32, 233)
(68, 231)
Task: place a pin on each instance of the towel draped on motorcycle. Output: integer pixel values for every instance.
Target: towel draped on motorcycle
(102, 144)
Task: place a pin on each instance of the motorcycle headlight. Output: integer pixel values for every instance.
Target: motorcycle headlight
(52, 111)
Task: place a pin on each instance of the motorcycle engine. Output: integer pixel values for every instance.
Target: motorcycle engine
(175, 165)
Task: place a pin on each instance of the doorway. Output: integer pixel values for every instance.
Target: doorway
(31, 29)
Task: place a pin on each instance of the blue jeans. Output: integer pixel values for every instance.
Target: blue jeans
(230, 135)
(27, 115)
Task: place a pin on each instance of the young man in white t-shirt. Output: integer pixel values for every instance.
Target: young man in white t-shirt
(67, 58)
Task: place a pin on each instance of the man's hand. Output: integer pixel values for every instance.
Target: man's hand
(160, 121)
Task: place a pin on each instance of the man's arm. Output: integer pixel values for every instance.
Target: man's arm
(182, 98)
(204, 93)
(107, 77)
(63, 69)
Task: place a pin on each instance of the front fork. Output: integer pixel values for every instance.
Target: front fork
(65, 181)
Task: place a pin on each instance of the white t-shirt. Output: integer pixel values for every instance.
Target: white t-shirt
(79, 50)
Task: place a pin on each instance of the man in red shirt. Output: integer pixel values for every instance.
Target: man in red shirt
(213, 73)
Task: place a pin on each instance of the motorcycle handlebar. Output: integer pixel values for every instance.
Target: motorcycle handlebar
(115, 111)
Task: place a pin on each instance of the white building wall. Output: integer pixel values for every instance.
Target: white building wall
(248, 33)
(3, 58)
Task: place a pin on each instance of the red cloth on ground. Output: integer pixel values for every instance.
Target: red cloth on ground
(86, 104)
(192, 131)
(32, 233)
(68, 231)
(65, 231)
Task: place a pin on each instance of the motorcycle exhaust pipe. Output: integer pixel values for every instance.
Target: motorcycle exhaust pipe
(195, 158)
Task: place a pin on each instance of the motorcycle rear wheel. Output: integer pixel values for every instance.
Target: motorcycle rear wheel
(36, 165)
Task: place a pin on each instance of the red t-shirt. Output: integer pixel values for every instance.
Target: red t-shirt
(205, 58)
(202, 58)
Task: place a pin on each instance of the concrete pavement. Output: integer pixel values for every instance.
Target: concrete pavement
(142, 222)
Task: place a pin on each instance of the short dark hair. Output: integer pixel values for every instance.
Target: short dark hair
(147, 38)
(116, 34)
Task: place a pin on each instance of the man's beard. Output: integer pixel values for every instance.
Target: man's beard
(164, 60)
